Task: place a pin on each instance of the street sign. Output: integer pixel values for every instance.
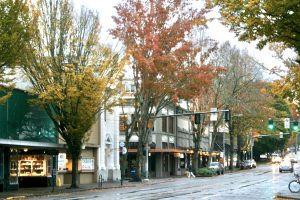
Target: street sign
(213, 114)
(124, 150)
(122, 144)
(287, 123)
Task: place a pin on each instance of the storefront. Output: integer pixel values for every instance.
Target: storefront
(33, 168)
(87, 172)
(28, 144)
(33, 165)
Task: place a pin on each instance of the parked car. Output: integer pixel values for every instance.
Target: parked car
(246, 164)
(253, 163)
(286, 165)
(217, 167)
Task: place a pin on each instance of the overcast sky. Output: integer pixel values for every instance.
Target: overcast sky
(215, 31)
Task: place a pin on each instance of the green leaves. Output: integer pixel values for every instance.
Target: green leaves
(14, 23)
(267, 21)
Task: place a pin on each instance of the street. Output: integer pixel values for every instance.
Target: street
(263, 182)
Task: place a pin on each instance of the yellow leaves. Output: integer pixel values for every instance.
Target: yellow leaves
(199, 21)
(252, 3)
(52, 93)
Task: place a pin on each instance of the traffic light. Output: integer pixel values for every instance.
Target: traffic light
(227, 115)
(271, 125)
(295, 126)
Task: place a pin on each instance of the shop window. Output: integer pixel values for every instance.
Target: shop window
(34, 165)
(164, 124)
(171, 124)
(13, 176)
(87, 164)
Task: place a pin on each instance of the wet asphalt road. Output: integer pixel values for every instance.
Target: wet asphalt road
(263, 182)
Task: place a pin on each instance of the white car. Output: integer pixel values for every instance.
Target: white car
(286, 166)
(217, 167)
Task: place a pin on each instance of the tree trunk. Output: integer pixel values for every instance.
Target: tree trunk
(139, 159)
(239, 143)
(74, 183)
(195, 163)
(231, 151)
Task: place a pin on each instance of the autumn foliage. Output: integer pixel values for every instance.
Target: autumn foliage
(156, 35)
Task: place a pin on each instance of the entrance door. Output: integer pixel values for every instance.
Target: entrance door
(172, 165)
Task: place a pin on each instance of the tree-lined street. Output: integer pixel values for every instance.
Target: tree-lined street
(263, 182)
(172, 96)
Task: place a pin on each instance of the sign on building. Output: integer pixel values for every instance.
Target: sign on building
(62, 161)
(87, 164)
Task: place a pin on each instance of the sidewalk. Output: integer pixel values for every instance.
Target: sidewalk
(24, 193)
(287, 195)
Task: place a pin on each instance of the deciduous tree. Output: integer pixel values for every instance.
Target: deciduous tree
(73, 76)
(267, 21)
(14, 33)
(154, 33)
(236, 89)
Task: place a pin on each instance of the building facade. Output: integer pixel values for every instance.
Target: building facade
(100, 154)
(32, 155)
(28, 144)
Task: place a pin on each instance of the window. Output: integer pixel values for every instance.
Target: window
(171, 124)
(133, 145)
(87, 164)
(129, 87)
(164, 124)
(123, 123)
(13, 175)
(165, 145)
(168, 124)
(172, 145)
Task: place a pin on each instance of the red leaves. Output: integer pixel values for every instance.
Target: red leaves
(155, 34)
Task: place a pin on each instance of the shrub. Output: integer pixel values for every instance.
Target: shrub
(205, 172)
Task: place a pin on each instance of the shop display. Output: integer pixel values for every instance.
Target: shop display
(32, 166)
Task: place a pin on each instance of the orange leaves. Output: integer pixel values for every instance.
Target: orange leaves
(155, 34)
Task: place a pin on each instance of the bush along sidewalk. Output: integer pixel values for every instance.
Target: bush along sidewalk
(205, 172)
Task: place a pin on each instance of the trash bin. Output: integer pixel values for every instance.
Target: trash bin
(133, 174)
